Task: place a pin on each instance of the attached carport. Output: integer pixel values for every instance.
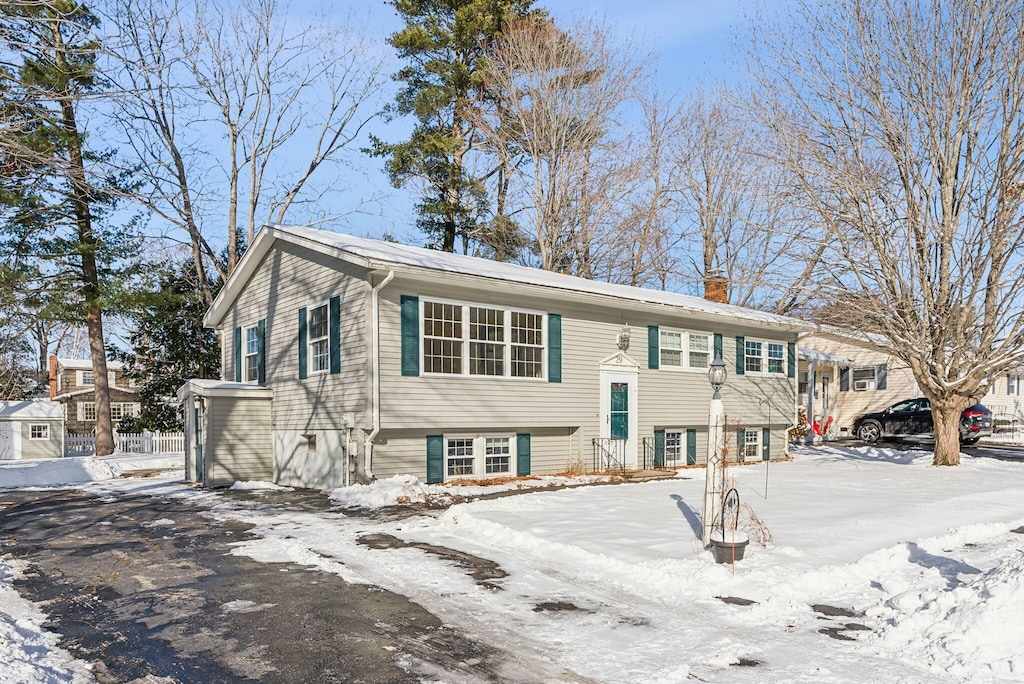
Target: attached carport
(228, 436)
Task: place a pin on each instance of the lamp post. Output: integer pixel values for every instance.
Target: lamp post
(713, 482)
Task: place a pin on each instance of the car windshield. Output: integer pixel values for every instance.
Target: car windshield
(903, 406)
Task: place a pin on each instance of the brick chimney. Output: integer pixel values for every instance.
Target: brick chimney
(53, 376)
(716, 286)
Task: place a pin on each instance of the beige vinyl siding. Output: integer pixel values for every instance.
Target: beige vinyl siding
(238, 439)
(900, 383)
(289, 278)
(41, 448)
(398, 452)
(589, 332)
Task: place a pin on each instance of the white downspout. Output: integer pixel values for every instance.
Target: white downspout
(374, 373)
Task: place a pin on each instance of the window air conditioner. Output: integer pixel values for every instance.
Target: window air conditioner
(863, 385)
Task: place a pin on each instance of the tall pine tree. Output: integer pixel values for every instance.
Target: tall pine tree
(444, 44)
(169, 345)
(56, 191)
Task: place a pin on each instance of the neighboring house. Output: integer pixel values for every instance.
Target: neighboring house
(844, 374)
(72, 384)
(346, 358)
(31, 429)
(1004, 399)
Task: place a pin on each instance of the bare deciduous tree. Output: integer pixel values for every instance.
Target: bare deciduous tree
(580, 179)
(284, 100)
(735, 219)
(903, 121)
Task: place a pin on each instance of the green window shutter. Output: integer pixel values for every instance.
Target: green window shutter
(653, 358)
(410, 335)
(261, 351)
(766, 443)
(741, 352)
(791, 359)
(435, 459)
(659, 448)
(303, 332)
(238, 355)
(691, 447)
(335, 333)
(741, 440)
(881, 377)
(554, 348)
(522, 455)
(844, 379)
(719, 353)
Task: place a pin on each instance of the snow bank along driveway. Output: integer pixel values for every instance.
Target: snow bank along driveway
(882, 569)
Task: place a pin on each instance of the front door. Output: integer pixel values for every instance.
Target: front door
(619, 415)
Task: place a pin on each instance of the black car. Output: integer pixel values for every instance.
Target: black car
(913, 418)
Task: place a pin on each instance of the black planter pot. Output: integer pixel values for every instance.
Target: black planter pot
(727, 552)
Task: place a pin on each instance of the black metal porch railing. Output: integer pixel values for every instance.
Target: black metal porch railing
(609, 455)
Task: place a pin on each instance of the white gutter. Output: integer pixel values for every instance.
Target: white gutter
(374, 373)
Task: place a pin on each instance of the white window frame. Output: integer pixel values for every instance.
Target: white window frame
(684, 349)
(854, 380)
(87, 407)
(123, 409)
(747, 444)
(465, 340)
(45, 427)
(680, 435)
(764, 358)
(479, 456)
(1015, 392)
(80, 378)
(310, 340)
(246, 354)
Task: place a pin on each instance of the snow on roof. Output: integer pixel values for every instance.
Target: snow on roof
(28, 410)
(373, 254)
(821, 357)
(86, 364)
(203, 387)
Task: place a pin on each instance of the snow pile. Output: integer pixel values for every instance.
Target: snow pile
(408, 489)
(973, 626)
(28, 653)
(259, 485)
(52, 472)
(56, 472)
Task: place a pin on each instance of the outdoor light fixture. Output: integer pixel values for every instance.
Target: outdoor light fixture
(624, 338)
(716, 376)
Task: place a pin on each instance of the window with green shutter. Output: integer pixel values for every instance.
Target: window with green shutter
(554, 348)
(522, 455)
(410, 335)
(435, 459)
(653, 349)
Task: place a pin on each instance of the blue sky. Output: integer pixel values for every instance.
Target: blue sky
(692, 42)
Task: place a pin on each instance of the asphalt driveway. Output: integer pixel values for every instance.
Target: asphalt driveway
(145, 588)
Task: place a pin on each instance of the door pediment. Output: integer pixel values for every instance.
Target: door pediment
(619, 361)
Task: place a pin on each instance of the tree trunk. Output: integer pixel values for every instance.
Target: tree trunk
(87, 246)
(946, 423)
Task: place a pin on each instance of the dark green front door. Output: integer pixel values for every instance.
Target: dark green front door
(620, 411)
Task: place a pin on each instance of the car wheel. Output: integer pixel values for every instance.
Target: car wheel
(970, 440)
(869, 432)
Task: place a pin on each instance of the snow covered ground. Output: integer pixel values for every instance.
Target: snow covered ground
(610, 582)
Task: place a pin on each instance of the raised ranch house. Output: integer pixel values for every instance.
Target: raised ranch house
(347, 358)
(72, 384)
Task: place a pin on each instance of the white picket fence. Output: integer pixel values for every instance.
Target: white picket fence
(127, 443)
